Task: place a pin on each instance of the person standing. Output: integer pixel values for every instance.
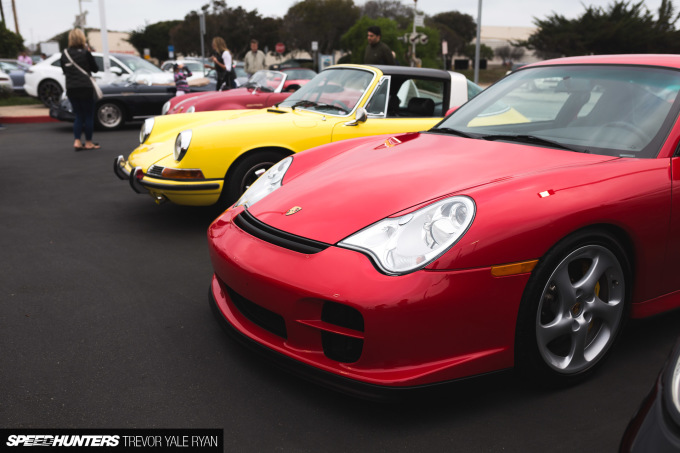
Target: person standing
(24, 58)
(377, 52)
(254, 60)
(223, 64)
(78, 65)
(180, 75)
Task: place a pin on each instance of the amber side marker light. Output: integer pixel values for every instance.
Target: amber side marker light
(181, 173)
(513, 269)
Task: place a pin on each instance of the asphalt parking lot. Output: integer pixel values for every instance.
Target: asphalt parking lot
(105, 323)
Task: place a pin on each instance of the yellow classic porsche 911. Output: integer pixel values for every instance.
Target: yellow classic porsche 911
(205, 158)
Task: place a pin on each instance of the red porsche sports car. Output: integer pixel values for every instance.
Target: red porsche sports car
(264, 89)
(521, 231)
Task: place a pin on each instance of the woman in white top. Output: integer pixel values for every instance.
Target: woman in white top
(223, 64)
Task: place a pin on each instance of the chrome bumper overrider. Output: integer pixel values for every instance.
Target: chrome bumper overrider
(119, 168)
(134, 176)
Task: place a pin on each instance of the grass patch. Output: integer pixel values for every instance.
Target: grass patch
(487, 76)
(19, 100)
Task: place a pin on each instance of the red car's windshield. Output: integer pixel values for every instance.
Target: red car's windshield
(624, 111)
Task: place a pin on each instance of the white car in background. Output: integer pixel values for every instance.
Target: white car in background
(46, 81)
(195, 66)
(5, 81)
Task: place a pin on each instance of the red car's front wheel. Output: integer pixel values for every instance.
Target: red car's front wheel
(574, 308)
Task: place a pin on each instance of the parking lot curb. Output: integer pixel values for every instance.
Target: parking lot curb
(26, 119)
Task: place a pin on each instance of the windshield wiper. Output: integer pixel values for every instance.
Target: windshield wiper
(448, 130)
(305, 103)
(533, 140)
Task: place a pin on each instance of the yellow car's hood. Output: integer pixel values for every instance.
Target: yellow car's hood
(218, 139)
(167, 127)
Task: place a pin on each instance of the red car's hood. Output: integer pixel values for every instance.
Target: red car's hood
(198, 99)
(371, 181)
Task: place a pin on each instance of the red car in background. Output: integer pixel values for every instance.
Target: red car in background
(264, 89)
(521, 231)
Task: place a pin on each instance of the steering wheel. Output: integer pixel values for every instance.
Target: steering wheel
(639, 133)
(341, 104)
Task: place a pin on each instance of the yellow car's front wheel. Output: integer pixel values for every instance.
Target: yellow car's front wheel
(245, 171)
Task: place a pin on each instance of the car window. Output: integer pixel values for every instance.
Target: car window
(473, 89)
(412, 97)
(377, 105)
(614, 110)
(266, 80)
(99, 59)
(7, 66)
(300, 74)
(137, 64)
(100, 62)
(334, 91)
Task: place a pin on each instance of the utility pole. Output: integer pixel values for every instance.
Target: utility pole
(413, 46)
(81, 19)
(201, 31)
(105, 38)
(478, 44)
(16, 22)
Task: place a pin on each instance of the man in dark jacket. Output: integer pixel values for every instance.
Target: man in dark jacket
(377, 52)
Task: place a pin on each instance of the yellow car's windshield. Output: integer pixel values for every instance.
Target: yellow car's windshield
(334, 91)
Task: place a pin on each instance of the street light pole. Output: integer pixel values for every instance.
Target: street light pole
(413, 45)
(478, 44)
(105, 38)
(16, 22)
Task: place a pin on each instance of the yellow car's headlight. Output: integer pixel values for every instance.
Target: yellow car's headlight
(147, 127)
(182, 143)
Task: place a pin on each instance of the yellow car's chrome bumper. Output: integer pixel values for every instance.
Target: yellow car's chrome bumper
(196, 193)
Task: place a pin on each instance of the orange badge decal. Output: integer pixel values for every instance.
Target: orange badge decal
(293, 210)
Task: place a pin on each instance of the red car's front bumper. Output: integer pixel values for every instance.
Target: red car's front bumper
(334, 312)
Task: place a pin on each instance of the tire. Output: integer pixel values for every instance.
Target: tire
(49, 92)
(109, 115)
(244, 173)
(573, 309)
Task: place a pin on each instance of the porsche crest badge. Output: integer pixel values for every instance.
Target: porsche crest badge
(293, 210)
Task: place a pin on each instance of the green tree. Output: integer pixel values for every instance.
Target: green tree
(509, 54)
(323, 21)
(10, 43)
(236, 25)
(388, 9)
(621, 28)
(485, 52)
(155, 37)
(457, 29)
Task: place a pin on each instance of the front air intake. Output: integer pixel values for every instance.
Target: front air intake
(338, 347)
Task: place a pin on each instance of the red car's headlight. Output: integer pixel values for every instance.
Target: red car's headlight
(265, 184)
(399, 245)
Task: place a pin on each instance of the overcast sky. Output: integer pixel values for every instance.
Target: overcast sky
(39, 20)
